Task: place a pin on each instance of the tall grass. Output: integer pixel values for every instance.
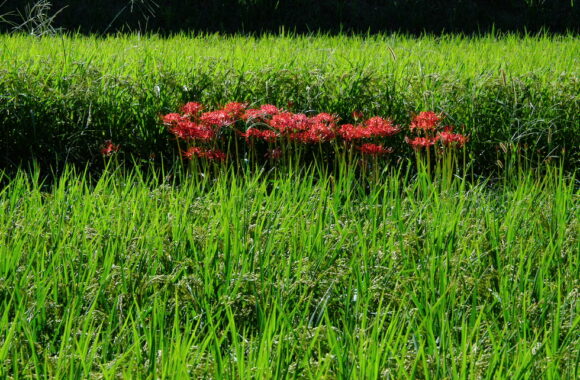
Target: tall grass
(289, 275)
(62, 96)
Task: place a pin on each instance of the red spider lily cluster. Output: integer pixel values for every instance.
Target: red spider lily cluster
(108, 148)
(429, 130)
(374, 149)
(211, 154)
(202, 131)
(205, 131)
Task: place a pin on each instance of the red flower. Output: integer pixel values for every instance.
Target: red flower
(287, 122)
(210, 154)
(269, 109)
(351, 132)
(252, 114)
(373, 127)
(421, 142)
(266, 134)
(219, 118)
(109, 148)
(374, 150)
(192, 108)
(188, 130)
(427, 120)
(172, 118)
(379, 127)
(215, 155)
(323, 132)
(325, 118)
(235, 110)
(261, 113)
(317, 133)
(194, 151)
(357, 115)
(449, 138)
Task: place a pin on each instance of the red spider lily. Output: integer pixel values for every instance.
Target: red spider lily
(194, 151)
(172, 118)
(235, 110)
(108, 148)
(253, 114)
(192, 108)
(265, 134)
(262, 113)
(323, 132)
(188, 130)
(194, 125)
(357, 115)
(351, 132)
(273, 154)
(374, 150)
(215, 155)
(373, 127)
(426, 121)
(379, 127)
(421, 142)
(452, 139)
(269, 109)
(325, 118)
(219, 118)
(287, 122)
(317, 133)
(210, 154)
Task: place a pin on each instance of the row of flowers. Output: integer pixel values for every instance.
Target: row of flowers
(204, 131)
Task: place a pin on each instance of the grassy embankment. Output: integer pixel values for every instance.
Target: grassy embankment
(61, 97)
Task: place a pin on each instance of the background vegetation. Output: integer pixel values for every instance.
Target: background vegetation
(63, 96)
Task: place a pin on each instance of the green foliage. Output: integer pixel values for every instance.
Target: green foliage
(63, 96)
(285, 275)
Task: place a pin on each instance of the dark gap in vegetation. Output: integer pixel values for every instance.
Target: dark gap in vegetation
(305, 16)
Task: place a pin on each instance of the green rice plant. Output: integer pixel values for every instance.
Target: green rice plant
(289, 274)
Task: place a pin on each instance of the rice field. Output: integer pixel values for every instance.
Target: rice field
(118, 259)
(282, 275)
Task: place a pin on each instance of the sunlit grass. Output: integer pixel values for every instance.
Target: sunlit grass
(289, 274)
(398, 54)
